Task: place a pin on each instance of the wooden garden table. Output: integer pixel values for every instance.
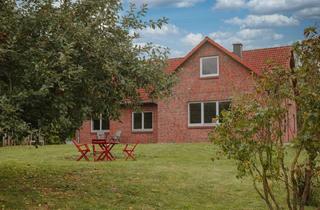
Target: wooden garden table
(103, 148)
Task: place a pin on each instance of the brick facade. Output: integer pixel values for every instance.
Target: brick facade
(125, 125)
(170, 116)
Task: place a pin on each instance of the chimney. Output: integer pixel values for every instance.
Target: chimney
(237, 49)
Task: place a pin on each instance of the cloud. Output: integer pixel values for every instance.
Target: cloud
(219, 34)
(251, 38)
(250, 34)
(227, 4)
(163, 31)
(312, 13)
(172, 52)
(267, 6)
(192, 39)
(176, 53)
(174, 3)
(277, 36)
(271, 6)
(253, 21)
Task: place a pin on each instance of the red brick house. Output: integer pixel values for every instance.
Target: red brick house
(209, 77)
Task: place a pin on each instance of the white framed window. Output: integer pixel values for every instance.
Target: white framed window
(206, 113)
(142, 121)
(100, 124)
(209, 66)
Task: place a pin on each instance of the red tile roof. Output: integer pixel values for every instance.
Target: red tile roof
(258, 59)
(173, 63)
(207, 39)
(255, 60)
(143, 95)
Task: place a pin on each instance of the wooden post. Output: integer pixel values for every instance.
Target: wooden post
(5, 139)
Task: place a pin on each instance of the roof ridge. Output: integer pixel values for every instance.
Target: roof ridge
(265, 48)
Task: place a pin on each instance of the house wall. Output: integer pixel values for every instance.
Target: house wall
(170, 116)
(233, 79)
(125, 125)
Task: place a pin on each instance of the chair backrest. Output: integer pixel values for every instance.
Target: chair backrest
(75, 143)
(134, 146)
(101, 135)
(117, 135)
(78, 145)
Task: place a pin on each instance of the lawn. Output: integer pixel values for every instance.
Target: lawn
(165, 176)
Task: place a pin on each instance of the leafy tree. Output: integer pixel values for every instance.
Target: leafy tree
(253, 132)
(64, 61)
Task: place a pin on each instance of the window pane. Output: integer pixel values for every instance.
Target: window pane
(137, 120)
(195, 113)
(96, 124)
(223, 106)
(209, 112)
(148, 120)
(105, 124)
(209, 66)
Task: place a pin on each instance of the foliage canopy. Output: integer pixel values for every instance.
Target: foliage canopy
(254, 131)
(64, 61)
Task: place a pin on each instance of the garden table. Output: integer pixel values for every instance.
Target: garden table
(105, 149)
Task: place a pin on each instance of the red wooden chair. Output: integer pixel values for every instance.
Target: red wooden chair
(83, 149)
(129, 151)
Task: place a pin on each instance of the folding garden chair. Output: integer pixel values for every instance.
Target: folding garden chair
(128, 151)
(83, 149)
(101, 135)
(116, 137)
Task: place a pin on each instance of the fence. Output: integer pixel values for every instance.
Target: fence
(32, 139)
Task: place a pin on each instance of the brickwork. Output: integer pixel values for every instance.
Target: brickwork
(233, 79)
(170, 116)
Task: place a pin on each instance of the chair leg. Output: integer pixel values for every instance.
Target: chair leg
(86, 157)
(130, 154)
(83, 155)
(80, 157)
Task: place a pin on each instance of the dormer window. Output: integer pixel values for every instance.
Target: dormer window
(209, 66)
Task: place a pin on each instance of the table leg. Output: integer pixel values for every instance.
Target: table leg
(112, 157)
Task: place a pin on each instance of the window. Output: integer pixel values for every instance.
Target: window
(100, 124)
(223, 106)
(209, 66)
(202, 113)
(142, 121)
(195, 113)
(206, 113)
(209, 112)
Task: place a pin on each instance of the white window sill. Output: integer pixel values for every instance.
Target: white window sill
(96, 131)
(143, 131)
(203, 125)
(209, 76)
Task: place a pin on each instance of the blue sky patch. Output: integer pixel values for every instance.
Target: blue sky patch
(254, 23)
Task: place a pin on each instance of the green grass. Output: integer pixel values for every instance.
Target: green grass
(165, 176)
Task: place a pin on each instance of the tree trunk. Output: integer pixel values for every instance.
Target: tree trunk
(294, 182)
(307, 184)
